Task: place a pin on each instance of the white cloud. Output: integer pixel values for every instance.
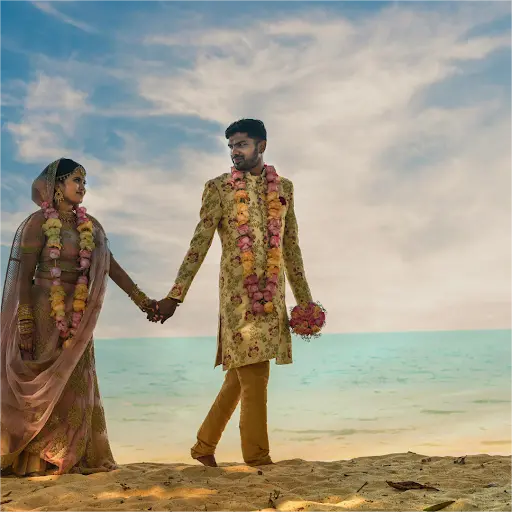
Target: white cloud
(404, 207)
(52, 11)
(51, 109)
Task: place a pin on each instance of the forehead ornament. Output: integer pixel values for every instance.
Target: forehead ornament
(80, 169)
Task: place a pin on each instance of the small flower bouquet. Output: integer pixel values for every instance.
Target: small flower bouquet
(307, 320)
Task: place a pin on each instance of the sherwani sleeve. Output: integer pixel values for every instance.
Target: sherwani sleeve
(210, 216)
(293, 256)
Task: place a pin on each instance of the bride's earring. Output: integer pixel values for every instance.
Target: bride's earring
(59, 196)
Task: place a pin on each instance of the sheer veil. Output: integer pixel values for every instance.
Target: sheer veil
(30, 389)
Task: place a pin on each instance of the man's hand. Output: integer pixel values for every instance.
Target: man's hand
(165, 308)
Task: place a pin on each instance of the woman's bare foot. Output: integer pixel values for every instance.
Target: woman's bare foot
(208, 460)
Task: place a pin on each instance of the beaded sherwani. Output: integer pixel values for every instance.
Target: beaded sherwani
(244, 338)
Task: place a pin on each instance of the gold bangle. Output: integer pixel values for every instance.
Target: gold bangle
(26, 328)
(25, 312)
(141, 300)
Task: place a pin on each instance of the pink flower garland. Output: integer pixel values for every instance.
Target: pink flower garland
(261, 296)
(52, 228)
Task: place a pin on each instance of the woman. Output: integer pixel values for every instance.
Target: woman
(51, 413)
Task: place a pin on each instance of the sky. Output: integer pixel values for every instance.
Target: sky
(392, 119)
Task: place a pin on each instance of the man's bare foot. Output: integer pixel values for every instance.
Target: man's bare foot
(208, 460)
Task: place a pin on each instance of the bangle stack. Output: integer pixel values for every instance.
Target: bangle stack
(25, 319)
(141, 300)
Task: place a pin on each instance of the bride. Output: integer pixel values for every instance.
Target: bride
(52, 418)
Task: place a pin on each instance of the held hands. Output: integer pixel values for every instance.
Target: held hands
(159, 311)
(164, 309)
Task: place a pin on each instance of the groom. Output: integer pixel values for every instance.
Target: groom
(252, 208)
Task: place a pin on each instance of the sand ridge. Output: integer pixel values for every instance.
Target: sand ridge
(481, 482)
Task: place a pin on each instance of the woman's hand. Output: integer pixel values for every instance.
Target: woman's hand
(27, 345)
(149, 307)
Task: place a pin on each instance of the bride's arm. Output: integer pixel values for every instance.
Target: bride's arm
(125, 282)
(32, 243)
(119, 275)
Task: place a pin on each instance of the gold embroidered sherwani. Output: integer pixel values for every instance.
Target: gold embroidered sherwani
(244, 338)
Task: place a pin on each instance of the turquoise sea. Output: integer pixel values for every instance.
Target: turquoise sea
(345, 396)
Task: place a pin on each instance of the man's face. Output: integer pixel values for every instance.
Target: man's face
(245, 152)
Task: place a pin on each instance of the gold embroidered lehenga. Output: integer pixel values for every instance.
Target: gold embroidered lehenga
(51, 411)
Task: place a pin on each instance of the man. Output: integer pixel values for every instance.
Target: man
(252, 209)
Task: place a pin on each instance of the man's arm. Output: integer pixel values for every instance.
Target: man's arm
(209, 218)
(293, 256)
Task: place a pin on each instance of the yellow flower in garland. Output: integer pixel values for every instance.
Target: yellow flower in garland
(52, 230)
(242, 208)
(78, 305)
(56, 290)
(241, 194)
(274, 204)
(242, 218)
(273, 257)
(86, 236)
(81, 292)
(52, 223)
(86, 226)
(268, 307)
(55, 301)
(274, 213)
(87, 245)
(247, 267)
(272, 270)
(54, 242)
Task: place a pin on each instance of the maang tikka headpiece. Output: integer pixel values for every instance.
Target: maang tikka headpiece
(80, 169)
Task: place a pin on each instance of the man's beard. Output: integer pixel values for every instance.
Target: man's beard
(247, 164)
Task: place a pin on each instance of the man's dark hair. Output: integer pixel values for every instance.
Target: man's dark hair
(254, 128)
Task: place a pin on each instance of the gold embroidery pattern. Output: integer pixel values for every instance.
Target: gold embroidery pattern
(75, 417)
(263, 338)
(68, 435)
(98, 423)
(59, 446)
(80, 448)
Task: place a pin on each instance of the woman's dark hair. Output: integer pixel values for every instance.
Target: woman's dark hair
(254, 128)
(65, 168)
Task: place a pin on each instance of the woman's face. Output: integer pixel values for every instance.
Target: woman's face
(73, 187)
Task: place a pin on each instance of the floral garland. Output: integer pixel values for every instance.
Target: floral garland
(308, 320)
(51, 229)
(261, 296)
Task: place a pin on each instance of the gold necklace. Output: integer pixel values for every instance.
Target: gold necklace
(67, 216)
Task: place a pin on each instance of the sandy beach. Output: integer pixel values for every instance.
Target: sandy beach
(477, 482)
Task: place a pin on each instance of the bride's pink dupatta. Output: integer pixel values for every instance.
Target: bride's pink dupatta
(31, 389)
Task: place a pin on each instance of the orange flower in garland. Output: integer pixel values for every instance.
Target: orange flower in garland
(261, 296)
